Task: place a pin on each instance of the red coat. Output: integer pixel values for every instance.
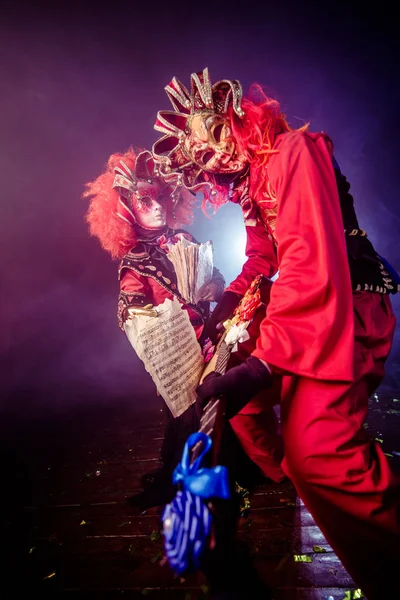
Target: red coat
(308, 329)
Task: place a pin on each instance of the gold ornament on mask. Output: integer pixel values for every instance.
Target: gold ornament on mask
(210, 143)
(198, 135)
(126, 184)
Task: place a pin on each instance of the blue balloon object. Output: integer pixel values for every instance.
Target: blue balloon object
(187, 520)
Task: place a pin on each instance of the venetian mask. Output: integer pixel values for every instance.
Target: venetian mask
(144, 199)
(211, 145)
(149, 205)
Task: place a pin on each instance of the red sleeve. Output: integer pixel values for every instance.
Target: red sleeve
(309, 326)
(134, 284)
(261, 259)
(134, 290)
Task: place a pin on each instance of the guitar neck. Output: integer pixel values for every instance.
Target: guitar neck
(213, 409)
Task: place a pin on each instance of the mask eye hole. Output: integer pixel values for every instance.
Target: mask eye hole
(206, 157)
(143, 203)
(217, 132)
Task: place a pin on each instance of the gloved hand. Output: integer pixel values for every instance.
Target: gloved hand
(209, 292)
(224, 310)
(239, 385)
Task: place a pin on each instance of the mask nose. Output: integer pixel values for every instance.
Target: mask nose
(224, 154)
(157, 205)
(225, 147)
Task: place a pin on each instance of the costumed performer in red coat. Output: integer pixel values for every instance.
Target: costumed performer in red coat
(329, 324)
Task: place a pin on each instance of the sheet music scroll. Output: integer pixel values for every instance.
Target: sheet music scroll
(168, 347)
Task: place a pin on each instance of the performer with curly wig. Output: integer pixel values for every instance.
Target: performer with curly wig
(136, 216)
(329, 323)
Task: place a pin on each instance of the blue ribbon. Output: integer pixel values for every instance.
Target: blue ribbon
(201, 481)
(187, 520)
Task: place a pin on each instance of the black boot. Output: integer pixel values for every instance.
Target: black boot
(232, 575)
(158, 491)
(157, 485)
(149, 478)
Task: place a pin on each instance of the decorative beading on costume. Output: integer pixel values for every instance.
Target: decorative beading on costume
(126, 299)
(376, 275)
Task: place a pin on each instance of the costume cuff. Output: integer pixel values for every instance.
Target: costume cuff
(126, 299)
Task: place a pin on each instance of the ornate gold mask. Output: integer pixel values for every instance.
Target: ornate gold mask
(210, 143)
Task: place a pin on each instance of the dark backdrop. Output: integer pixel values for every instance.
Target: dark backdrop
(80, 81)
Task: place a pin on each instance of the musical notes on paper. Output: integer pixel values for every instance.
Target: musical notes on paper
(168, 347)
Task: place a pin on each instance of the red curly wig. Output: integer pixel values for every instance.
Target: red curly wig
(255, 135)
(116, 235)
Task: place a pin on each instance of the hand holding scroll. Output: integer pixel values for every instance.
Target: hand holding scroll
(133, 311)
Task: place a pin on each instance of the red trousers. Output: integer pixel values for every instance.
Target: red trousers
(257, 429)
(342, 476)
(256, 425)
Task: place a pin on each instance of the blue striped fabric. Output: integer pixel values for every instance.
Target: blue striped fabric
(187, 526)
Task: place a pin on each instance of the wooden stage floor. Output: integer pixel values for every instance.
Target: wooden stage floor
(67, 531)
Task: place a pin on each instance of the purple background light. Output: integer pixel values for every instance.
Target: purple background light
(79, 82)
